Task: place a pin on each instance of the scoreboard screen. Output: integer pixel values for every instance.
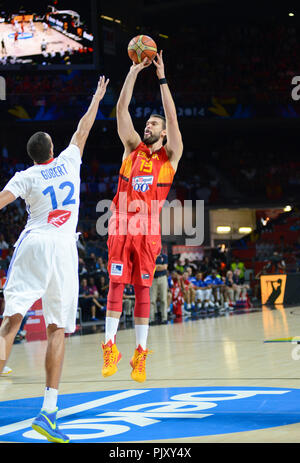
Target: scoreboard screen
(54, 36)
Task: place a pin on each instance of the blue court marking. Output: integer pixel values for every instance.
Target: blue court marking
(155, 414)
(23, 35)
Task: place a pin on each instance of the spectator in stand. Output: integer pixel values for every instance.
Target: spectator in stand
(276, 264)
(205, 265)
(239, 282)
(101, 268)
(203, 293)
(102, 287)
(256, 285)
(232, 290)
(240, 265)
(177, 295)
(91, 263)
(215, 282)
(178, 267)
(128, 300)
(159, 289)
(81, 267)
(188, 289)
(88, 295)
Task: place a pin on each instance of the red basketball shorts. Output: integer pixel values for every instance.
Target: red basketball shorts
(131, 258)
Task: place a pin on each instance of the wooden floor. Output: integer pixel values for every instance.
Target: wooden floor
(225, 351)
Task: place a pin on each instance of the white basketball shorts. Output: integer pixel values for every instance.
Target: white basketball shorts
(44, 266)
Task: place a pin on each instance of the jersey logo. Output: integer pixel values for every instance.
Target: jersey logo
(58, 217)
(142, 182)
(116, 269)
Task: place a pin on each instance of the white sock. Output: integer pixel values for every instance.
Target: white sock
(111, 328)
(141, 334)
(50, 400)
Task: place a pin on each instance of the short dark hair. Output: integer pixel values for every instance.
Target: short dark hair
(39, 146)
(164, 124)
(160, 117)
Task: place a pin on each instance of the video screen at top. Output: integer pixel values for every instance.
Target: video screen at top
(47, 35)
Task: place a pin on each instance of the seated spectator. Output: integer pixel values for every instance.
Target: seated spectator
(240, 265)
(88, 296)
(101, 268)
(102, 287)
(232, 290)
(177, 295)
(128, 300)
(205, 265)
(91, 263)
(81, 267)
(203, 292)
(215, 282)
(178, 267)
(276, 264)
(239, 283)
(188, 290)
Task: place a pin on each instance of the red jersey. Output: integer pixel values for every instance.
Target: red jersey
(145, 177)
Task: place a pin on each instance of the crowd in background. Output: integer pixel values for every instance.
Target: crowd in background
(235, 168)
(250, 62)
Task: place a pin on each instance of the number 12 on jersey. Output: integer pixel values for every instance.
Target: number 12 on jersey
(68, 199)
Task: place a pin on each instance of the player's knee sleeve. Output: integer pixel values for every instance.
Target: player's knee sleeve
(115, 297)
(142, 301)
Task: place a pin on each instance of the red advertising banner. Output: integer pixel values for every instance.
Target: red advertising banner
(35, 325)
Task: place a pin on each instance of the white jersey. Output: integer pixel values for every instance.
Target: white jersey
(51, 192)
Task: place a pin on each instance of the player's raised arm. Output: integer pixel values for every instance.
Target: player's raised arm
(174, 145)
(86, 122)
(127, 133)
(6, 197)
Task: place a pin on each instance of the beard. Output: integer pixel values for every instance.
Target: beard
(150, 139)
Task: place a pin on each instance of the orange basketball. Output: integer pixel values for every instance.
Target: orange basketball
(141, 47)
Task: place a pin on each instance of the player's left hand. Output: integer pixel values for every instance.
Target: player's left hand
(159, 64)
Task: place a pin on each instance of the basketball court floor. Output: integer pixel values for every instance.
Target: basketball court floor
(29, 43)
(230, 378)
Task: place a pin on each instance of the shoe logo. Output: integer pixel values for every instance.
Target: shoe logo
(52, 425)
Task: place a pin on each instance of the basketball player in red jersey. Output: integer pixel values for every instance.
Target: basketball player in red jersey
(134, 241)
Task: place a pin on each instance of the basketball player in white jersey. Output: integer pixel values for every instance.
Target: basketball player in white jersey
(45, 261)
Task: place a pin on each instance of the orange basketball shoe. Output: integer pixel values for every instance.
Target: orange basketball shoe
(138, 363)
(111, 357)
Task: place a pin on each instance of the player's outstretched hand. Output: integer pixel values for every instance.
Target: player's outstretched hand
(140, 66)
(159, 64)
(101, 88)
